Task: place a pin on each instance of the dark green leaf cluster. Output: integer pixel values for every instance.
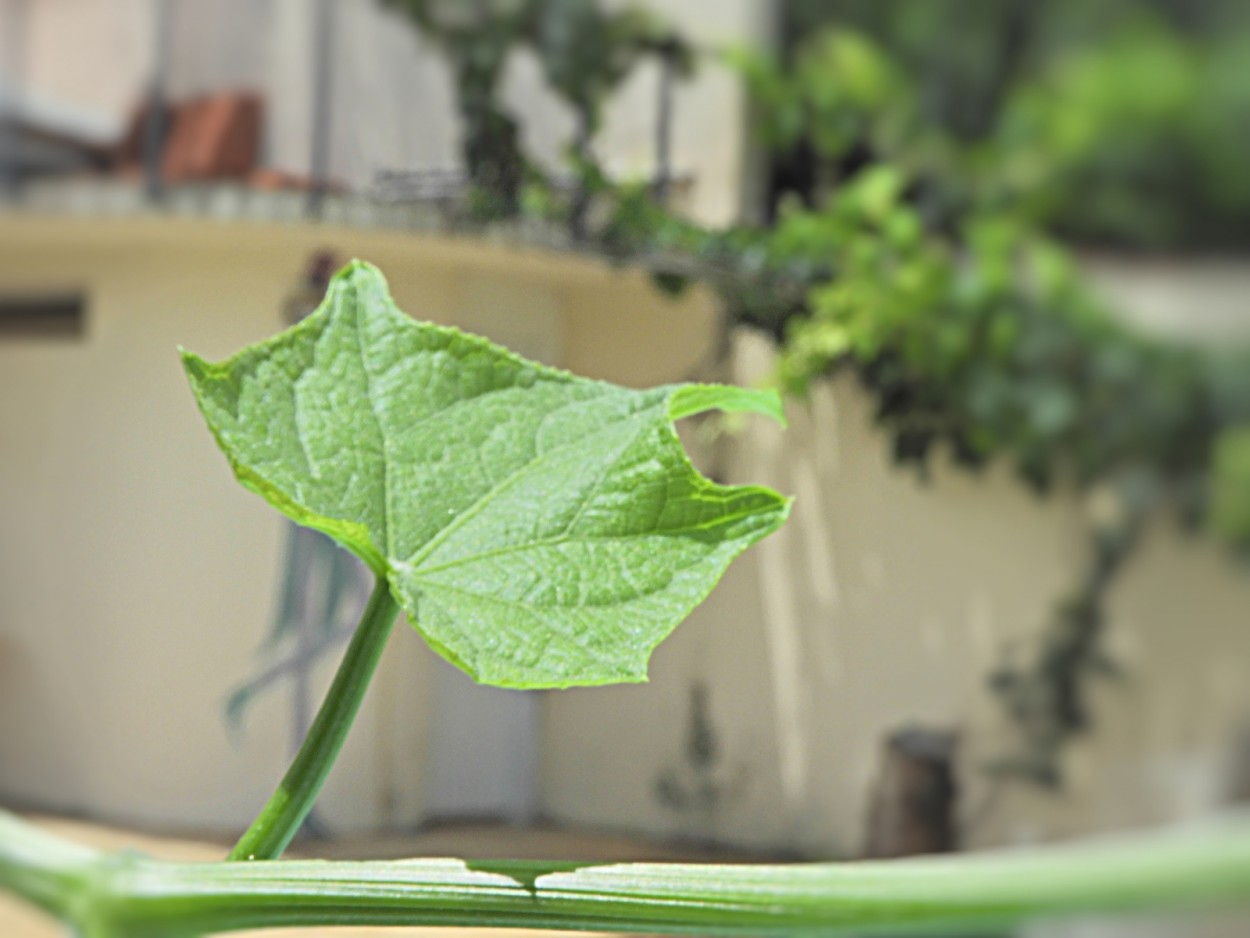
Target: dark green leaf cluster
(1118, 123)
(990, 343)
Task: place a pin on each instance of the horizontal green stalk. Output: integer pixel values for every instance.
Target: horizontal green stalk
(46, 871)
(1200, 865)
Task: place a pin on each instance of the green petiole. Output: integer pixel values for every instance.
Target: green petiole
(279, 821)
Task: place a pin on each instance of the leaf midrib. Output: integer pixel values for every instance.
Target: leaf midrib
(387, 510)
(378, 425)
(554, 628)
(480, 503)
(420, 573)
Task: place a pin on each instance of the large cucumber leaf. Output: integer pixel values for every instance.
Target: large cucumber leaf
(539, 529)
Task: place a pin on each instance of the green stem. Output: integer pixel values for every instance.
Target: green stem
(46, 871)
(1199, 865)
(279, 821)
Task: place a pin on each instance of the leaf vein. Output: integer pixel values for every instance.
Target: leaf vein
(515, 476)
(554, 625)
(422, 572)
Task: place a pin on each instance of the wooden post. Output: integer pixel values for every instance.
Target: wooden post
(155, 131)
(913, 805)
(664, 130)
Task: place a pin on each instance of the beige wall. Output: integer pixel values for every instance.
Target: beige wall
(886, 601)
(137, 579)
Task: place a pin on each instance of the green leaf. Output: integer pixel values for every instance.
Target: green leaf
(539, 529)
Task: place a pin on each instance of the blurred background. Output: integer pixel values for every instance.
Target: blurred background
(994, 252)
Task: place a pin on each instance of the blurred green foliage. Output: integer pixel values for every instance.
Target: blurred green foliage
(1123, 122)
(929, 159)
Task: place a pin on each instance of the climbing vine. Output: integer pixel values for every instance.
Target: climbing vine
(923, 258)
(585, 53)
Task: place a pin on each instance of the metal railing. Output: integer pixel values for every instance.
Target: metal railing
(12, 30)
(155, 126)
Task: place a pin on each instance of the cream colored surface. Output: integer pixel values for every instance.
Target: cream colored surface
(136, 578)
(886, 601)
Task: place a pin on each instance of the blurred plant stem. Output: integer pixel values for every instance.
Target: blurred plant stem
(107, 895)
